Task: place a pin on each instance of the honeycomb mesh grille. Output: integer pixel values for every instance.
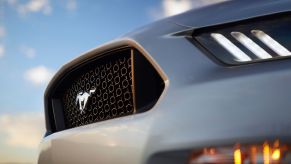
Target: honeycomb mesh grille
(102, 90)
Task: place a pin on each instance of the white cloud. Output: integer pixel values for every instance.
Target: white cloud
(2, 50)
(38, 75)
(31, 6)
(28, 51)
(2, 32)
(38, 6)
(12, 2)
(173, 7)
(71, 5)
(2, 35)
(22, 130)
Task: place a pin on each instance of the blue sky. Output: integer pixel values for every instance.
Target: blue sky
(38, 36)
(57, 37)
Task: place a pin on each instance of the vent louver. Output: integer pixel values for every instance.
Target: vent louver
(259, 52)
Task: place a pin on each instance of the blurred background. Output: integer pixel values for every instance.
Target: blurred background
(38, 36)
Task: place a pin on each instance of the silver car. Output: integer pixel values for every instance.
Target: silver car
(212, 85)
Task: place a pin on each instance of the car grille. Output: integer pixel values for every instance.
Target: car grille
(102, 91)
(108, 85)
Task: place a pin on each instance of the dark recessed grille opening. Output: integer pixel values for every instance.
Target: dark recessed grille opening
(115, 84)
(100, 91)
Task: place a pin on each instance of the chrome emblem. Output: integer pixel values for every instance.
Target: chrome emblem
(82, 98)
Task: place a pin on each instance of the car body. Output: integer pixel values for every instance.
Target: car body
(204, 102)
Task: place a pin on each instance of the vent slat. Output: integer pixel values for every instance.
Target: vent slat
(251, 45)
(238, 54)
(271, 43)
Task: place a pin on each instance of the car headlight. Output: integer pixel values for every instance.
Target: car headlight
(247, 41)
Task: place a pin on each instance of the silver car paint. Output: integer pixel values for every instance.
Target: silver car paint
(204, 104)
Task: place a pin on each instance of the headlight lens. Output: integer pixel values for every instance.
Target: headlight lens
(248, 41)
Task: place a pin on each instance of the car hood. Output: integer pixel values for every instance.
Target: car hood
(229, 11)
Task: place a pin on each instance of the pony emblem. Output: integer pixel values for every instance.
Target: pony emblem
(82, 98)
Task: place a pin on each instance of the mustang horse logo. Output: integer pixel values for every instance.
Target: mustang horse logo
(82, 98)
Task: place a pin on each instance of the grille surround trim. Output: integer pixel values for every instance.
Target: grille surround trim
(85, 57)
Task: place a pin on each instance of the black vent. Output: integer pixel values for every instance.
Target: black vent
(114, 84)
